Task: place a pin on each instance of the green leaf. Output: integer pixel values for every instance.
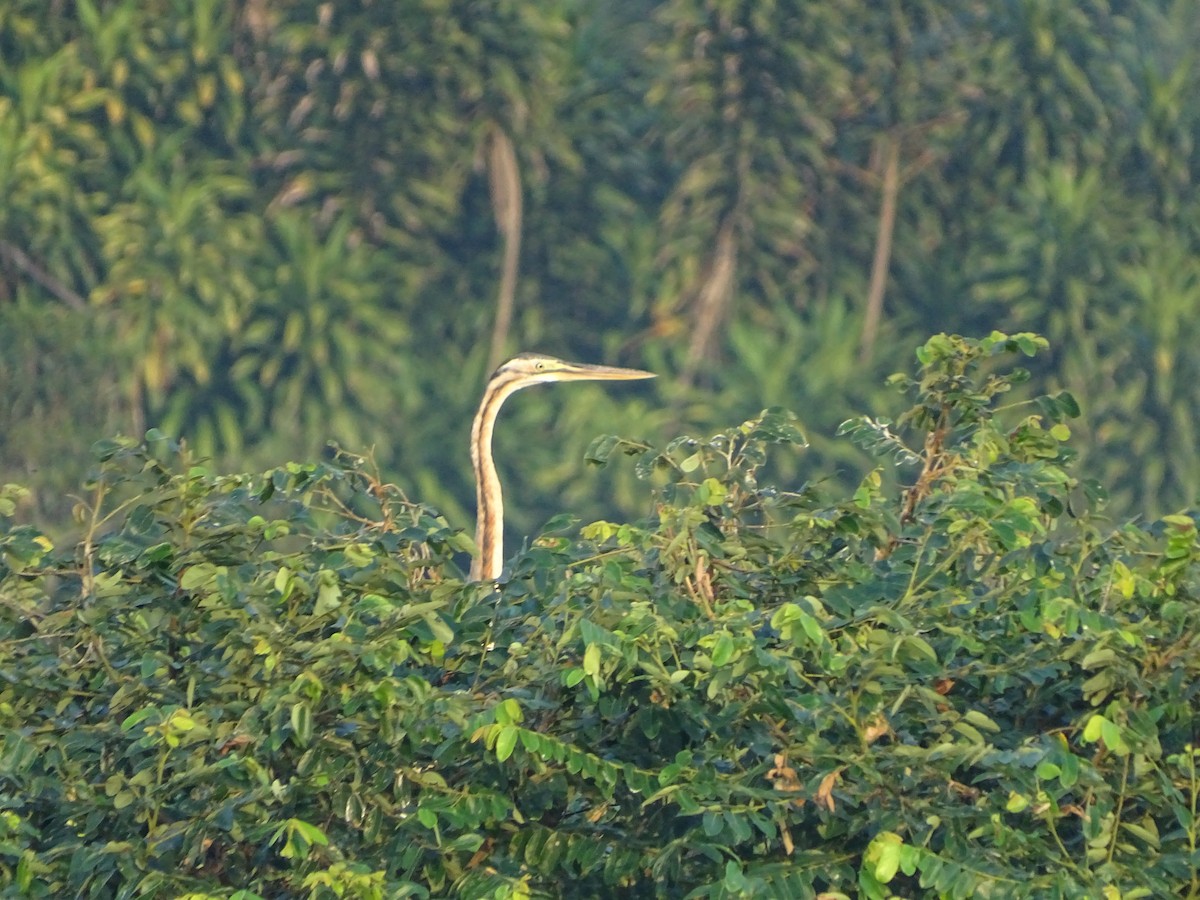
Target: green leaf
(133, 719)
(1047, 770)
(735, 880)
(1068, 403)
(311, 833)
(198, 576)
(329, 593)
(883, 856)
(302, 726)
(812, 628)
(1110, 733)
(711, 492)
(508, 712)
(1070, 771)
(1016, 802)
(601, 449)
(979, 720)
(506, 741)
(1093, 729)
(723, 650)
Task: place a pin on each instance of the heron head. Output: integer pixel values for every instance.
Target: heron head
(537, 368)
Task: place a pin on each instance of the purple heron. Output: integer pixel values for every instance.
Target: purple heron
(519, 372)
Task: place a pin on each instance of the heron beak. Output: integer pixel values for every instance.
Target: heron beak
(586, 372)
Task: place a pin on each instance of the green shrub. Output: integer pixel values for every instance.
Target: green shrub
(279, 685)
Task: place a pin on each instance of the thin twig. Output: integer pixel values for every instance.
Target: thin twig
(890, 190)
(505, 180)
(22, 261)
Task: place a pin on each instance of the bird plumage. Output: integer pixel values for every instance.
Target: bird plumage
(519, 372)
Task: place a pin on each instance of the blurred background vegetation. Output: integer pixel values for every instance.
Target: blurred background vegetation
(268, 224)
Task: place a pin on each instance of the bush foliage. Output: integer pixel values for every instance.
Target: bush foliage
(266, 225)
(281, 684)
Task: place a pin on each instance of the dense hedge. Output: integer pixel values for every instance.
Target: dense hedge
(262, 225)
(279, 685)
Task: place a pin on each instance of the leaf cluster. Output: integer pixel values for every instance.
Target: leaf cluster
(262, 225)
(280, 684)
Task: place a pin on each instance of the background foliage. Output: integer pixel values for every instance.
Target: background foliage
(262, 226)
(279, 684)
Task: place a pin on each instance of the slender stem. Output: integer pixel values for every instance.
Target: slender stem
(505, 178)
(1119, 810)
(890, 190)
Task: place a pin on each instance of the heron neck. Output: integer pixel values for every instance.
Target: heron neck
(489, 500)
